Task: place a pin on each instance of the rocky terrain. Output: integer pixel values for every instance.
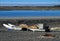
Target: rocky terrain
(26, 36)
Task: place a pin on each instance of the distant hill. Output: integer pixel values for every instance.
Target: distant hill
(56, 7)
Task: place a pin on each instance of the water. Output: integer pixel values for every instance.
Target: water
(28, 13)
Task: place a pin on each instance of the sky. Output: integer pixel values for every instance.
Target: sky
(39, 2)
(29, 0)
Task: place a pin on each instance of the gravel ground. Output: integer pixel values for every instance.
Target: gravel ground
(26, 36)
